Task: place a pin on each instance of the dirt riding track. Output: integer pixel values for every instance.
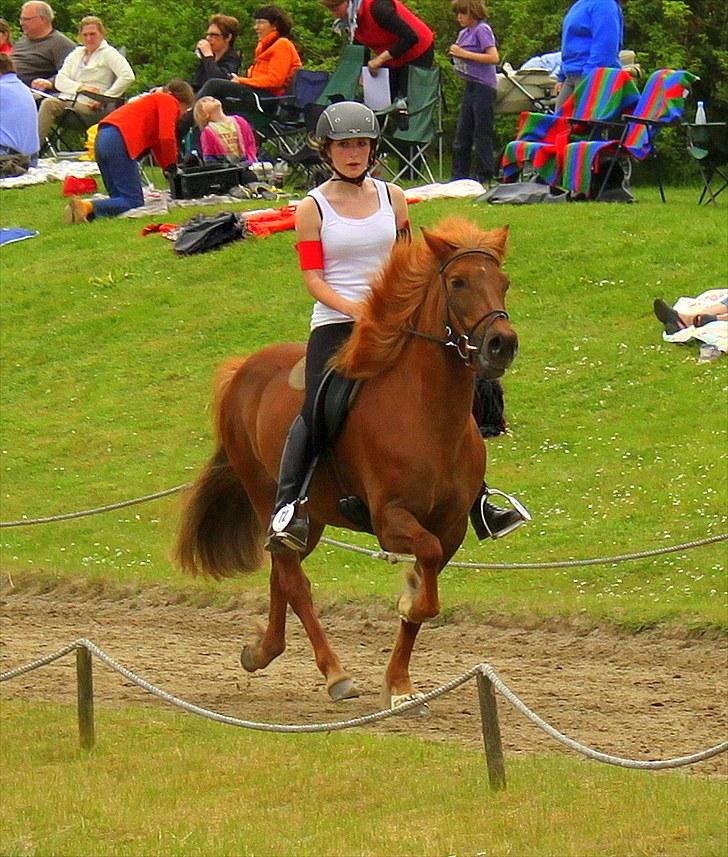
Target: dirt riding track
(651, 695)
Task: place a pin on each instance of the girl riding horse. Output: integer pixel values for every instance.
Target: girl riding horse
(346, 229)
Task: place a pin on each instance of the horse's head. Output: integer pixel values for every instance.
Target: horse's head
(474, 290)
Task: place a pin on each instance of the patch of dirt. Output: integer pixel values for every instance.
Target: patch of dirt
(649, 695)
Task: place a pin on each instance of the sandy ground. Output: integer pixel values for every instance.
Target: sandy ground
(650, 695)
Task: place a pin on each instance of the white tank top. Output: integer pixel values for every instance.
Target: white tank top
(354, 250)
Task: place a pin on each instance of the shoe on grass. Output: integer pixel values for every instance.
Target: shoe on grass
(78, 210)
(667, 315)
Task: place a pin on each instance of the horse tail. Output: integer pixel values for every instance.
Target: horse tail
(220, 534)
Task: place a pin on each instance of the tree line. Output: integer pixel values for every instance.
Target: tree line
(159, 36)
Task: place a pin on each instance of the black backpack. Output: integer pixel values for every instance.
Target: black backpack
(205, 232)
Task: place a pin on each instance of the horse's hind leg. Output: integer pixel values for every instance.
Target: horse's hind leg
(272, 642)
(297, 590)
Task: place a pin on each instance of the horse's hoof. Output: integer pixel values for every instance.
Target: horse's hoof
(247, 661)
(421, 710)
(343, 689)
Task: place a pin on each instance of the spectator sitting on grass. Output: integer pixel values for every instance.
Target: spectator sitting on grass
(221, 136)
(18, 117)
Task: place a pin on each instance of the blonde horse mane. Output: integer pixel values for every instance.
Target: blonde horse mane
(398, 293)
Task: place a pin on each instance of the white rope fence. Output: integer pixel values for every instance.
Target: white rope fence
(388, 556)
(487, 677)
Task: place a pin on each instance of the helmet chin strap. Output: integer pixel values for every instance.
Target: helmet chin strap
(358, 180)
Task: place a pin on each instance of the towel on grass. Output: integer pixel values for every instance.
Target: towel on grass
(11, 235)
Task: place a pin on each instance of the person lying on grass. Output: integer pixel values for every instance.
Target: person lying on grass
(698, 317)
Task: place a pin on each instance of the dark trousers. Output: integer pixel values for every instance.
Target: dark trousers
(322, 343)
(119, 172)
(475, 133)
(237, 97)
(398, 77)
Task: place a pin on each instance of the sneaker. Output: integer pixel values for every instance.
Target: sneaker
(78, 210)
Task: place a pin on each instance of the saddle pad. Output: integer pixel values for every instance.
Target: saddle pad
(297, 375)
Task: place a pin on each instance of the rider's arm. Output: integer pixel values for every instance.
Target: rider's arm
(308, 228)
(401, 214)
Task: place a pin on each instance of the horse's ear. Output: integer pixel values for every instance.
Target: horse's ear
(439, 246)
(500, 239)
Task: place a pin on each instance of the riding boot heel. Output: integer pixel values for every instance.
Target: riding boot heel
(491, 521)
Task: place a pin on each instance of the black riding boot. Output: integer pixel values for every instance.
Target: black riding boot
(491, 521)
(289, 524)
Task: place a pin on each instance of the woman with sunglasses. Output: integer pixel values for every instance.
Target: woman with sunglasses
(276, 61)
(216, 50)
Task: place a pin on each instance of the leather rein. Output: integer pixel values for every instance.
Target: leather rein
(461, 342)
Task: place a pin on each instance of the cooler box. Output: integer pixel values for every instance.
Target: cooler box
(193, 182)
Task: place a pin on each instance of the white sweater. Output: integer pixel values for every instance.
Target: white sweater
(106, 70)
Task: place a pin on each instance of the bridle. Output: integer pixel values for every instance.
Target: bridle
(461, 342)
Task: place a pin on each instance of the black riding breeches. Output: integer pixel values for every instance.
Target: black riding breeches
(322, 344)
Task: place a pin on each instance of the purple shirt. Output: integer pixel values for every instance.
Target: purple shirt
(476, 39)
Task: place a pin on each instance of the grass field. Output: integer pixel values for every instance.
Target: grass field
(159, 784)
(617, 444)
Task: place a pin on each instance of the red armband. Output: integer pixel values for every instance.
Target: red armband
(310, 255)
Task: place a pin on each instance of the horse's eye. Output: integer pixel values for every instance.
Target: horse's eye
(458, 283)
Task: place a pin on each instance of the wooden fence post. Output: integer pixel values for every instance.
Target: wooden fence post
(491, 733)
(85, 695)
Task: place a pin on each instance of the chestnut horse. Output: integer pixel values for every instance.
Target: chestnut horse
(409, 448)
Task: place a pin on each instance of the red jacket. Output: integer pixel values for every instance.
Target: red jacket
(377, 39)
(148, 122)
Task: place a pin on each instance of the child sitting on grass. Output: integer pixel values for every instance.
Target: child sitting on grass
(223, 137)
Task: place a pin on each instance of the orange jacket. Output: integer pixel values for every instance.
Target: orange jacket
(276, 60)
(148, 122)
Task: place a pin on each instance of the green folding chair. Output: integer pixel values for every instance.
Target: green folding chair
(410, 146)
(343, 85)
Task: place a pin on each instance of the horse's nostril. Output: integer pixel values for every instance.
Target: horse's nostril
(495, 346)
(502, 348)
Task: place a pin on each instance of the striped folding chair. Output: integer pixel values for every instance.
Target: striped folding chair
(662, 103)
(604, 94)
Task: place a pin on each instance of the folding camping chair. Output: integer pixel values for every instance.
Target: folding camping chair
(708, 147)
(662, 103)
(72, 125)
(285, 132)
(343, 85)
(604, 94)
(410, 145)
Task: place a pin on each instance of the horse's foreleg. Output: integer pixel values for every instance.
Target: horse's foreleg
(398, 687)
(297, 591)
(272, 642)
(402, 533)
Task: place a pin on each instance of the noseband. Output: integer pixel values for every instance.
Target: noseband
(461, 341)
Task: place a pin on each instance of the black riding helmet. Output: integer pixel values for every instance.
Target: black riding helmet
(348, 120)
